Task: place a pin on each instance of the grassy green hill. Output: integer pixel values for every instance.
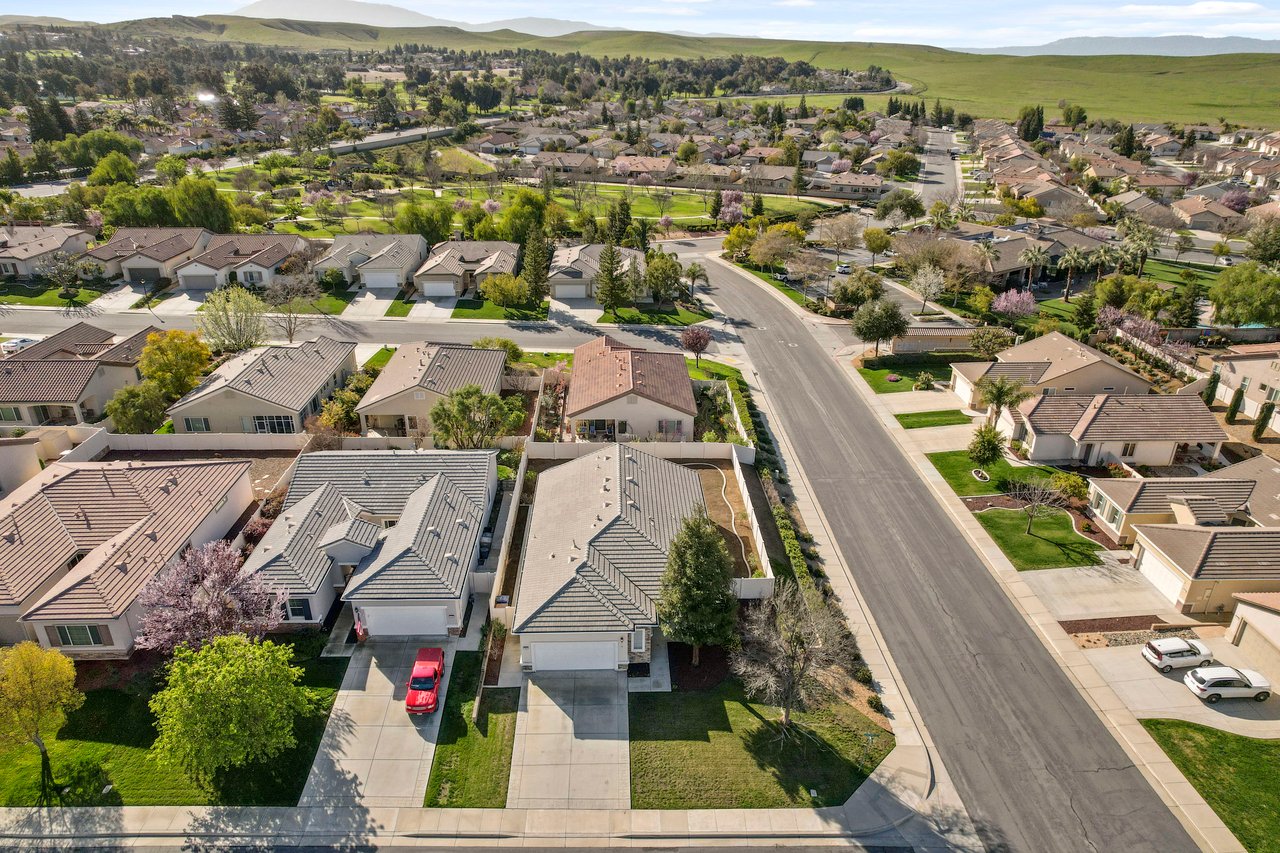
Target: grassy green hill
(1243, 88)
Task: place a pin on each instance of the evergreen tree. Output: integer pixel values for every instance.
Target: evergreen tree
(1185, 311)
(41, 125)
(60, 117)
(802, 111)
(797, 179)
(757, 205)
(697, 605)
(1125, 142)
(11, 169)
(717, 204)
(611, 286)
(536, 263)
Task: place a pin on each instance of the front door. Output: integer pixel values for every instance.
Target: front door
(1087, 456)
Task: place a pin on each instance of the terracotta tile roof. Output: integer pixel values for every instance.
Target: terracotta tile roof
(604, 370)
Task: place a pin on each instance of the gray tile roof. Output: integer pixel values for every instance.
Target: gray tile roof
(599, 534)
(1264, 503)
(381, 481)
(289, 556)
(441, 368)
(49, 381)
(1119, 417)
(1153, 494)
(157, 244)
(377, 251)
(287, 375)
(1218, 553)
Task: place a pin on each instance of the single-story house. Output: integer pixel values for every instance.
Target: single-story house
(1200, 567)
(658, 168)
(418, 375)
(395, 533)
(25, 249)
(574, 269)
(760, 154)
(1205, 214)
(376, 261)
(79, 542)
(456, 266)
(68, 377)
(248, 259)
(1255, 628)
(1120, 503)
(618, 392)
(272, 389)
(773, 179)
(565, 162)
(933, 339)
(596, 546)
(1050, 364)
(1149, 429)
(852, 185)
(146, 255)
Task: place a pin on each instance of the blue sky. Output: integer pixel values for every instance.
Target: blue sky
(937, 22)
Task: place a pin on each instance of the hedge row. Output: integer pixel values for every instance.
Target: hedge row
(799, 566)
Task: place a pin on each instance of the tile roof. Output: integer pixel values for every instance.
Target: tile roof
(441, 368)
(1218, 553)
(128, 519)
(235, 250)
(598, 538)
(454, 257)
(582, 263)
(377, 250)
(69, 343)
(1112, 417)
(1153, 494)
(158, 244)
(381, 481)
(604, 370)
(49, 381)
(1264, 472)
(1266, 600)
(24, 242)
(289, 556)
(1029, 373)
(287, 375)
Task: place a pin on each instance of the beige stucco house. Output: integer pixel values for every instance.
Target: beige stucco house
(247, 259)
(617, 392)
(1200, 567)
(457, 266)
(376, 261)
(24, 249)
(1254, 369)
(417, 376)
(146, 255)
(1255, 628)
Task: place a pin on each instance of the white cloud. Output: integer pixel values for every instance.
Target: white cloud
(1202, 9)
(795, 3)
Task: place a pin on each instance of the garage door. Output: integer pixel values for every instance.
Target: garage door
(436, 287)
(386, 280)
(407, 620)
(144, 273)
(1259, 650)
(571, 291)
(555, 656)
(199, 282)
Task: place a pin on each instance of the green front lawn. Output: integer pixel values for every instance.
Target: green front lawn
(768, 278)
(940, 417)
(108, 740)
(1236, 775)
(546, 359)
(956, 468)
(715, 748)
(476, 309)
(877, 370)
(1052, 543)
(333, 302)
(399, 307)
(46, 295)
(472, 763)
(380, 358)
(655, 315)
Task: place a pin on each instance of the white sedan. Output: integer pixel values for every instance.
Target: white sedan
(16, 345)
(1214, 683)
(1167, 653)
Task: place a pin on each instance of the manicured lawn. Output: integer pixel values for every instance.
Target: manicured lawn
(472, 763)
(716, 749)
(1239, 777)
(107, 741)
(546, 359)
(399, 306)
(476, 309)
(333, 302)
(459, 160)
(768, 278)
(1052, 543)
(666, 315)
(955, 467)
(46, 295)
(940, 417)
(380, 358)
(878, 370)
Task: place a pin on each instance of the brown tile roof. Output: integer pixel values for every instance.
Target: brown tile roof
(127, 519)
(234, 250)
(50, 381)
(159, 244)
(1266, 600)
(604, 370)
(69, 343)
(1264, 472)
(24, 242)
(1111, 417)
(1028, 372)
(1154, 494)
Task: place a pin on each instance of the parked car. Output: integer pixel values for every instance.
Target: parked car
(1214, 683)
(424, 682)
(1169, 653)
(16, 345)
(843, 269)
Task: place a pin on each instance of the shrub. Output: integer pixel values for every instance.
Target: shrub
(875, 703)
(256, 529)
(1210, 389)
(1263, 420)
(862, 675)
(1233, 410)
(273, 503)
(1070, 485)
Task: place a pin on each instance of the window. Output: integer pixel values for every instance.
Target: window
(671, 427)
(1128, 449)
(274, 424)
(419, 395)
(79, 635)
(251, 277)
(1109, 388)
(1244, 382)
(1098, 500)
(8, 269)
(299, 608)
(1113, 513)
(196, 424)
(10, 413)
(1048, 392)
(412, 421)
(1272, 396)
(637, 640)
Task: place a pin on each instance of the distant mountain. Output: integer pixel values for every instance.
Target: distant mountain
(1137, 46)
(386, 15)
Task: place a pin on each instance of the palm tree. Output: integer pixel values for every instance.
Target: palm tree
(1102, 257)
(1072, 260)
(989, 253)
(1036, 258)
(999, 394)
(694, 273)
(1143, 243)
(940, 218)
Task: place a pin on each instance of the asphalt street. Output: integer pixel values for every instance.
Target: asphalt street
(1035, 768)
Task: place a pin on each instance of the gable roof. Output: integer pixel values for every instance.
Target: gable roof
(598, 539)
(236, 250)
(24, 242)
(1061, 356)
(604, 370)
(454, 257)
(1264, 472)
(381, 481)
(49, 381)
(158, 244)
(376, 250)
(1154, 494)
(1218, 553)
(85, 342)
(1120, 417)
(440, 368)
(583, 262)
(287, 375)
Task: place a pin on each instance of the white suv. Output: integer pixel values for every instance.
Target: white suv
(1212, 683)
(1169, 652)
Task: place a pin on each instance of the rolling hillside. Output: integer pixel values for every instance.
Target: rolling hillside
(1243, 88)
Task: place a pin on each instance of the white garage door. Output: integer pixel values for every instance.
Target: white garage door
(554, 656)
(1258, 649)
(435, 287)
(386, 621)
(385, 279)
(571, 291)
(199, 282)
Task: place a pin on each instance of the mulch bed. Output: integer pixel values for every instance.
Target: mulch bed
(493, 666)
(1113, 623)
(1077, 516)
(117, 674)
(713, 667)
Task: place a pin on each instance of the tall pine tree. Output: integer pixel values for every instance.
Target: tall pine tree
(697, 605)
(611, 286)
(536, 263)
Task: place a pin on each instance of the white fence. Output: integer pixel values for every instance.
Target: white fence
(209, 441)
(1174, 365)
(674, 450)
(752, 588)
(504, 611)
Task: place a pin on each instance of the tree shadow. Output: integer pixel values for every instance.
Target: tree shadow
(801, 759)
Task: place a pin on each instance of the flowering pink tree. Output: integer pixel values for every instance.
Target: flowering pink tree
(1147, 331)
(93, 220)
(644, 179)
(728, 197)
(461, 204)
(731, 214)
(734, 149)
(841, 166)
(1110, 317)
(1236, 200)
(664, 222)
(491, 206)
(1015, 303)
(203, 596)
(195, 165)
(621, 168)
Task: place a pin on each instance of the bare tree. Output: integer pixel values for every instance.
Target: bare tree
(843, 233)
(292, 296)
(809, 267)
(1039, 497)
(787, 641)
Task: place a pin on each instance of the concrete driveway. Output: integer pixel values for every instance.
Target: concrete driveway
(571, 749)
(1147, 692)
(369, 305)
(1096, 592)
(373, 753)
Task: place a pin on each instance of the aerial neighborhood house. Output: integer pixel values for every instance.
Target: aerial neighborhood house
(759, 154)
(271, 389)
(853, 185)
(248, 259)
(1199, 565)
(1205, 214)
(79, 542)
(395, 533)
(574, 269)
(418, 375)
(773, 179)
(1252, 369)
(565, 162)
(1049, 364)
(376, 261)
(1120, 503)
(1148, 429)
(617, 392)
(456, 266)
(597, 543)
(145, 255)
(69, 377)
(657, 168)
(25, 249)
(1255, 628)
